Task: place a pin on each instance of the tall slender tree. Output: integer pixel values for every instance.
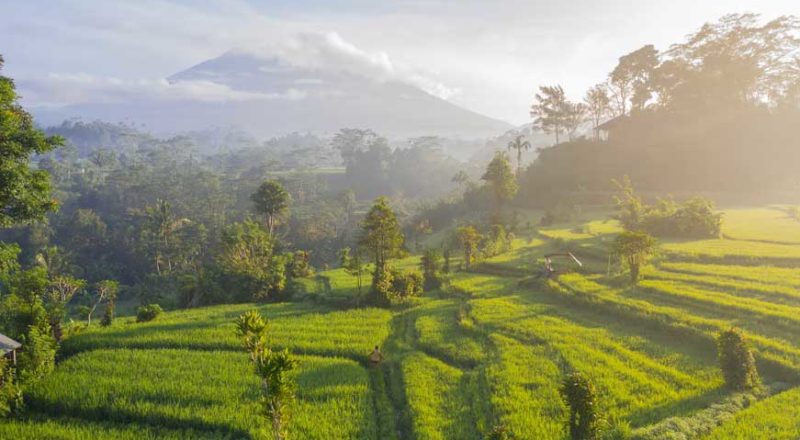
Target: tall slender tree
(597, 105)
(271, 200)
(519, 144)
(547, 110)
(382, 237)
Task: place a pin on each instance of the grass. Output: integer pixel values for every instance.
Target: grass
(488, 350)
(763, 224)
(776, 418)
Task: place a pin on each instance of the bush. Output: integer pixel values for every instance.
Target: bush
(406, 284)
(579, 395)
(148, 312)
(431, 263)
(694, 219)
(10, 392)
(391, 285)
(633, 249)
(736, 360)
(299, 265)
(496, 241)
(38, 357)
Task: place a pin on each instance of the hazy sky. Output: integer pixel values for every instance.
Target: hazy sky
(488, 56)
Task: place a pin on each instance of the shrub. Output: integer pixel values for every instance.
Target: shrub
(10, 392)
(406, 284)
(148, 312)
(299, 265)
(496, 241)
(579, 395)
(695, 218)
(38, 357)
(633, 249)
(736, 360)
(431, 263)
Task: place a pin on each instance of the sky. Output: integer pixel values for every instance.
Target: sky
(487, 56)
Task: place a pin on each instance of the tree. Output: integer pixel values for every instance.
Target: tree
(24, 192)
(469, 238)
(271, 200)
(634, 248)
(630, 80)
(597, 105)
(431, 264)
(381, 236)
(574, 116)
(519, 143)
(103, 291)
(352, 263)
(161, 225)
(59, 293)
(111, 288)
(630, 208)
(547, 110)
(581, 398)
(501, 180)
(247, 256)
(273, 367)
(736, 360)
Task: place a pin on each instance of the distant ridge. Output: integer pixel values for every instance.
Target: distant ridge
(271, 97)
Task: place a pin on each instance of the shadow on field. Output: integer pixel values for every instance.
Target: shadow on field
(117, 415)
(678, 408)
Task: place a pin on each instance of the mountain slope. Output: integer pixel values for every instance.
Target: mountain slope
(266, 97)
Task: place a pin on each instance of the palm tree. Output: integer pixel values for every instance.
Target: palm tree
(519, 144)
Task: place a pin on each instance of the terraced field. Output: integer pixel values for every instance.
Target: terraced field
(489, 350)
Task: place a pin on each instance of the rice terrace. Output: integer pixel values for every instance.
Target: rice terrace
(221, 254)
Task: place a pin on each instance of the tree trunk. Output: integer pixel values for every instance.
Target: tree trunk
(55, 327)
(634, 272)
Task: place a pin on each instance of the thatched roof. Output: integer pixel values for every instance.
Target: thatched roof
(7, 344)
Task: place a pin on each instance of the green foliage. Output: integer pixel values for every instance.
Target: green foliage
(469, 238)
(38, 357)
(109, 290)
(299, 265)
(353, 265)
(496, 242)
(381, 237)
(248, 258)
(633, 248)
(25, 192)
(148, 312)
(736, 360)
(431, 265)
(500, 179)
(581, 398)
(405, 285)
(10, 392)
(696, 218)
(273, 367)
(58, 295)
(271, 200)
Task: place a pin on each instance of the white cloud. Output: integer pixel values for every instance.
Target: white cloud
(331, 53)
(67, 89)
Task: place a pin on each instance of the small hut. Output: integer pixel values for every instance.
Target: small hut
(9, 347)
